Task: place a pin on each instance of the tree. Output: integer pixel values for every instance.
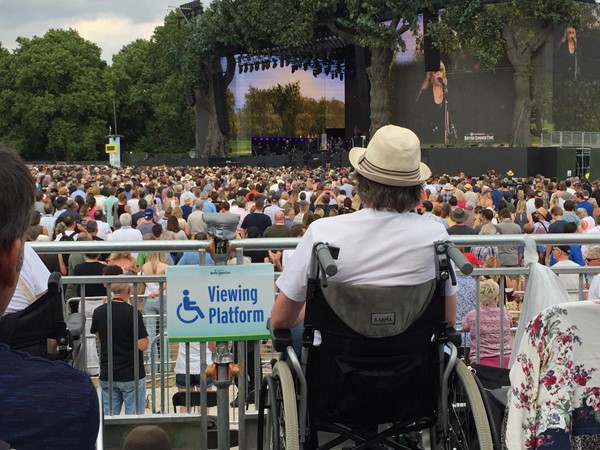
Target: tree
(377, 25)
(519, 28)
(53, 97)
(152, 113)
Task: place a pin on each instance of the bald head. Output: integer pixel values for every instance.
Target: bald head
(279, 217)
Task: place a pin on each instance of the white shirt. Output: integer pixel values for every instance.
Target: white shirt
(377, 248)
(194, 358)
(33, 281)
(126, 234)
(48, 221)
(594, 292)
(104, 230)
(570, 281)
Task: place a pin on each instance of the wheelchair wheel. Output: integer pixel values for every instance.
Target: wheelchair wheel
(467, 418)
(278, 399)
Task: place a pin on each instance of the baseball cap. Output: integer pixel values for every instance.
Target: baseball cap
(149, 213)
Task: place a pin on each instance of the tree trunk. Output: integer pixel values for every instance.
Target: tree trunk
(520, 53)
(379, 78)
(521, 130)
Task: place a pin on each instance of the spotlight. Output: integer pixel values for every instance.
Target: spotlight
(341, 76)
(251, 68)
(274, 64)
(240, 68)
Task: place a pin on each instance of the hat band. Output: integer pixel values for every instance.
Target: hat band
(366, 165)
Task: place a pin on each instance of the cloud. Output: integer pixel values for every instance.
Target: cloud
(111, 24)
(114, 32)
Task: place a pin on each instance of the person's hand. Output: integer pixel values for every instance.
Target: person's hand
(153, 294)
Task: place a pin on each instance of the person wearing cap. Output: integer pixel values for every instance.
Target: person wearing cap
(489, 327)
(447, 192)
(146, 224)
(508, 255)
(375, 241)
(460, 228)
(471, 198)
(570, 281)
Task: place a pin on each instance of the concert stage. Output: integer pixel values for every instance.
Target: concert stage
(523, 161)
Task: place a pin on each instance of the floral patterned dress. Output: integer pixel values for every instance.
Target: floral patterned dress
(554, 400)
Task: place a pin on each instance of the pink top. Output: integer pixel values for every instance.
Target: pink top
(489, 331)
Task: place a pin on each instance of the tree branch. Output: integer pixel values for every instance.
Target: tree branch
(348, 37)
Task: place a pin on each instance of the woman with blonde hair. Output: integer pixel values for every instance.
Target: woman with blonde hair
(178, 212)
(490, 339)
(521, 216)
(156, 264)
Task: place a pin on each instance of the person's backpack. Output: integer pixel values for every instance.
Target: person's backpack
(67, 238)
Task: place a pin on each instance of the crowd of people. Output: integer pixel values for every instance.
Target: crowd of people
(146, 203)
(128, 204)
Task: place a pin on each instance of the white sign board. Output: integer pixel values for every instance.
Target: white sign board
(219, 303)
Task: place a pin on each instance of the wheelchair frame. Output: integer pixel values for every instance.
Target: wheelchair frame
(284, 393)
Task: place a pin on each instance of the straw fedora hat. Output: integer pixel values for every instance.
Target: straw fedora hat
(393, 158)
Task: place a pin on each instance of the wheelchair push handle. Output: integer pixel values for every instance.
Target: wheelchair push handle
(325, 258)
(460, 260)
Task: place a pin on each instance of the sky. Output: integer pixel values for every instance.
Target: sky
(111, 24)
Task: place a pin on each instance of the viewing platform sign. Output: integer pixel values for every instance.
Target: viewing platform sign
(219, 303)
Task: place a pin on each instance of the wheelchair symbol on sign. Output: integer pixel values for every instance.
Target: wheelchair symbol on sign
(189, 306)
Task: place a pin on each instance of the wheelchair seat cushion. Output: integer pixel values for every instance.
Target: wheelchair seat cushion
(379, 311)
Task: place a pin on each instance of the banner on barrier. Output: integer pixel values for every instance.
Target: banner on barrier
(219, 303)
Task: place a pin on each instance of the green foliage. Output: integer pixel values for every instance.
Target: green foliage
(577, 105)
(148, 92)
(478, 27)
(283, 111)
(53, 97)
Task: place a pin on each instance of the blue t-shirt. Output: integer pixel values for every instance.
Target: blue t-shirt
(193, 259)
(45, 404)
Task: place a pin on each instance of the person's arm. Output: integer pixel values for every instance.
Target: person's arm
(286, 313)
(61, 265)
(143, 344)
(450, 309)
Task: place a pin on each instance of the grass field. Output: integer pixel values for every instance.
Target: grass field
(240, 147)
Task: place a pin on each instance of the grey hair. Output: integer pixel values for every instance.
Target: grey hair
(582, 212)
(18, 193)
(119, 288)
(125, 219)
(593, 252)
(391, 198)
(488, 228)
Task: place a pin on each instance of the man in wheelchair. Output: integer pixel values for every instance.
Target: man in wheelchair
(374, 331)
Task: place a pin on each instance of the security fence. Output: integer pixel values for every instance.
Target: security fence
(192, 427)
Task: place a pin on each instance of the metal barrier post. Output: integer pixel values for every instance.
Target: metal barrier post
(222, 359)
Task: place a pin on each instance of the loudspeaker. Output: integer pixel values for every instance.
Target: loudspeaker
(430, 53)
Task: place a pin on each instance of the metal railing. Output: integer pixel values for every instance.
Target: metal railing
(261, 244)
(576, 139)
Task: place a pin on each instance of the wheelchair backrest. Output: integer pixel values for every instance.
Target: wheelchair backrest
(372, 358)
(28, 330)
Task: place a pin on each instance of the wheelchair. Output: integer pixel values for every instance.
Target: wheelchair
(374, 371)
(41, 329)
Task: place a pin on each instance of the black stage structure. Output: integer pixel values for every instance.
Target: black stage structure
(523, 161)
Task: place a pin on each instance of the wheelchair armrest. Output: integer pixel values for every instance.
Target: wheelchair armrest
(454, 336)
(76, 324)
(281, 338)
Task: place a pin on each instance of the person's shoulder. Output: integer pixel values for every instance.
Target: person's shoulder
(33, 366)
